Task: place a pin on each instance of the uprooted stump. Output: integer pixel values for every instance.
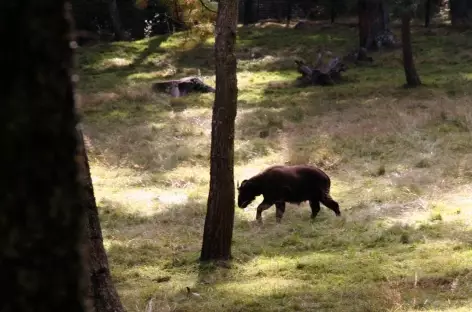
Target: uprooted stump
(321, 74)
(182, 87)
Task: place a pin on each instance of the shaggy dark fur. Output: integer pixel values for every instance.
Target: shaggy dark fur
(288, 184)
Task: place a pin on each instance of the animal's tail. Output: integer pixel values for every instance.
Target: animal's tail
(329, 202)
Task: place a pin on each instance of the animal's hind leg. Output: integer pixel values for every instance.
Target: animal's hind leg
(262, 206)
(279, 212)
(331, 204)
(315, 207)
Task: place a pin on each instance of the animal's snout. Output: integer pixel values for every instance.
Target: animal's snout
(244, 204)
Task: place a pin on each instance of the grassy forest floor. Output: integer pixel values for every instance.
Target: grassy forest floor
(400, 162)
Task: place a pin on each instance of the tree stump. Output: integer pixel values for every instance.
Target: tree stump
(322, 73)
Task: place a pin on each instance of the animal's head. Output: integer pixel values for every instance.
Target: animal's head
(247, 192)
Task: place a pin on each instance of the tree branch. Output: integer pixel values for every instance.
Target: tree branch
(206, 7)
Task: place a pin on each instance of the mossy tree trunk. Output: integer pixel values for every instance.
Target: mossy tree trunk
(412, 78)
(218, 230)
(102, 292)
(41, 217)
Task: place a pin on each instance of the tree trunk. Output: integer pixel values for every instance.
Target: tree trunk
(102, 292)
(427, 13)
(373, 20)
(137, 30)
(248, 16)
(289, 13)
(412, 78)
(333, 11)
(115, 19)
(218, 230)
(459, 13)
(41, 216)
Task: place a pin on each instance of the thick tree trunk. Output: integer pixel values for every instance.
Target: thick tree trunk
(41, 216)
(102, 292)
(412, 78)
(427, 13)
(459, 13)
(373, 20)
(115, 19)
(218, 230)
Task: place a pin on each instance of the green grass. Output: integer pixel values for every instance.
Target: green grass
(399, 160)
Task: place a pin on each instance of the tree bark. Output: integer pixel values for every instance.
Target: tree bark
(115, 19)
(218, 230)
(373, 19)
(102, 292)
(459, 13)
(427, 13)
(41, 216)
(412, 78)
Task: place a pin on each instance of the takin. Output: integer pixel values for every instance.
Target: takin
(288, 184)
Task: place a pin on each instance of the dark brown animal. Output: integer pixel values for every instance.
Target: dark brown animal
(288, 184)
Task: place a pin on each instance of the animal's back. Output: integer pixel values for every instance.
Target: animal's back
(307, 173)
(302, 180)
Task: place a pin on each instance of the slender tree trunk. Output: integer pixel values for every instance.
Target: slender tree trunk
(333, 11)
(412, 78)
(41, 216)
(247, 17)
(373, 19)
(102, 292)
(289, 12)
(218, 230)
(115, 19)
(427, 13)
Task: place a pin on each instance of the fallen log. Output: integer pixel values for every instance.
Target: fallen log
(182, 87)
(322, 73)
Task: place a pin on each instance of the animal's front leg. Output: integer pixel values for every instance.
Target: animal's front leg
(280, 206)
(262, 206)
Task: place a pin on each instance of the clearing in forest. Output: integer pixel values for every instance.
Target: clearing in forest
(400, 163)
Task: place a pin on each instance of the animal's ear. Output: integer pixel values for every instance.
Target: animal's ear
(244, 182)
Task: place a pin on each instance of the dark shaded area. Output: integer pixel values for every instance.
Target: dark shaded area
(100, 18)
(41, 215)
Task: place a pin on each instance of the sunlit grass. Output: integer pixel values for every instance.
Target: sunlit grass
(399, 161)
